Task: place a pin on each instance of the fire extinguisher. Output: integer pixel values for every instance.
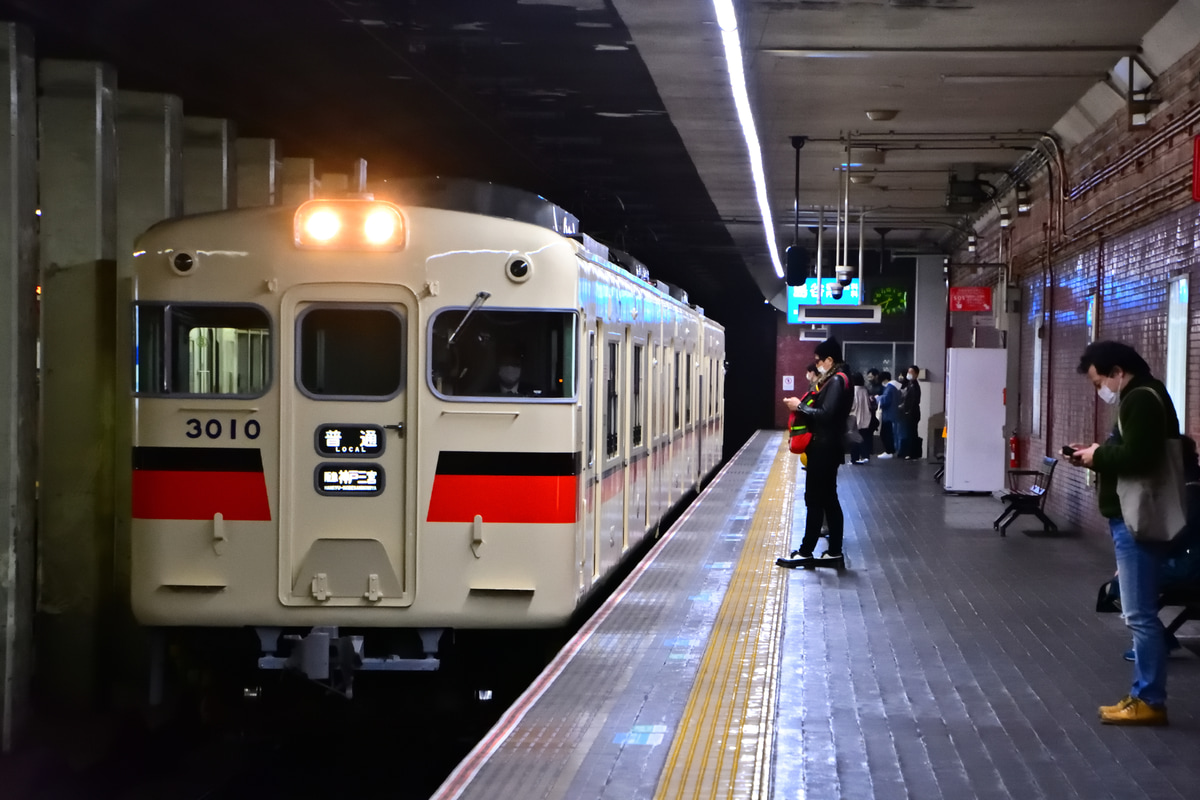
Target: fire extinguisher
(1014, 452)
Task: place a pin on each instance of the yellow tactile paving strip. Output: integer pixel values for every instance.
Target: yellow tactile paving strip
(723, 745)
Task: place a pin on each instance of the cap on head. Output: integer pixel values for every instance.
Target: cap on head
(830, 348)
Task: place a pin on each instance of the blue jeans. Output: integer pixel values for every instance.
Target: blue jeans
(1139, 572)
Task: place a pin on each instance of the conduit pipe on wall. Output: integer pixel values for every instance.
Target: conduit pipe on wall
(1106, 223)
(1048, 326)
(1151, 141)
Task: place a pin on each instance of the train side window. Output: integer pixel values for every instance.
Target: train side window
(588, 418)
(508, 355)
(215, 350)
(675, 418)
(687, 401)
(350, 352)
(611, 402)
(637, 399)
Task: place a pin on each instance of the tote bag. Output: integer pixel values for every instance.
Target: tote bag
(1153, 505)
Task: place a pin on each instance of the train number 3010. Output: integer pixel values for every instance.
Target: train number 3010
(213, 429)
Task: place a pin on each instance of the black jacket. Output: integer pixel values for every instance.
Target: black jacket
(827, 415)
(910, 406)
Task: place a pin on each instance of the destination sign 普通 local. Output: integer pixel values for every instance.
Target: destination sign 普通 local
(354, 441)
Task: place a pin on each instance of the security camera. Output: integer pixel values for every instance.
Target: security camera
(835, 291)
(844, 274)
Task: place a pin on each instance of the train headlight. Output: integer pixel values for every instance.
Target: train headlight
(322, 225)
(380, 226)
(349, 225)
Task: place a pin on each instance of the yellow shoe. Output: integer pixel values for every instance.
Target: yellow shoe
(1120, 706)
(1133, 712)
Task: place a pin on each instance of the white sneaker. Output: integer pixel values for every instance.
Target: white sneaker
(885, 455)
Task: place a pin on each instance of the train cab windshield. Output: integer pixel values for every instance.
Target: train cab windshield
(221, 349)
(512, 355)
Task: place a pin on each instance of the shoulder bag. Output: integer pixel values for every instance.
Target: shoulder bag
(852, 437)
(1153, 505)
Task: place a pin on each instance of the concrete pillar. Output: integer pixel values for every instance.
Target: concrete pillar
(358, 176)
(18, 378)
(77, 182)
(149, 190)
(256, 172)
(150, 186)
(334, 184)
(209, 165)
(929, 346)
(298, 180)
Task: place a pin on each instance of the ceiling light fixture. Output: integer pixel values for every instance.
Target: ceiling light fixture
(971, 243)
(861, 177)
(860, 156)
(1005, 218)
(727, 20)
(881, 114)
(1002, 77)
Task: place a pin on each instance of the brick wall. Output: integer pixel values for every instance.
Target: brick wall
(791, 357)
(1128, 225)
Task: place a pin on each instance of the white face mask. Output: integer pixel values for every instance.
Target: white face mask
(1107, 394)
(912, 377)
(821, 368)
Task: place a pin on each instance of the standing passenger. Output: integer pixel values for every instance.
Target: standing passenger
(826, 418)
(860, 412)
(1138, 443)
(908, 445)
(811, 376)
(889, 413)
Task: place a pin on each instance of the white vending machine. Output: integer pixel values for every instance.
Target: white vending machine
(976, 450)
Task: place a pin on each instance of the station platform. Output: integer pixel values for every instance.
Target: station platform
(943, 662)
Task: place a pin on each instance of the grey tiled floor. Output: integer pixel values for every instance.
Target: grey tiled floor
(949, 662)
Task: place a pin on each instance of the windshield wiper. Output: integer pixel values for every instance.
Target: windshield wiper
(479, 300)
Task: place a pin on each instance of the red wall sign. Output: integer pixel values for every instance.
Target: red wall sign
(970, 298)
(1196, 168)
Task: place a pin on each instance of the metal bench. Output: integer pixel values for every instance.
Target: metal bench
(1027, 501)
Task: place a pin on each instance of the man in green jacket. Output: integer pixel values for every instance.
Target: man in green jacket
(1145, 420)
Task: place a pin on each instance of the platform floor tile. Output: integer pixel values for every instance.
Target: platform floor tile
(948, 662)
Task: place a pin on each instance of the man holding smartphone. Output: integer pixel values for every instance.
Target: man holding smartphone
(1138, 443)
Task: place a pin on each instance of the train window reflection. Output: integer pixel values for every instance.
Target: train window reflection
(351, 352)
(211, 350)
(516, 355)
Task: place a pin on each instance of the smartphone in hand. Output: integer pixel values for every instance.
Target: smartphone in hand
(1068, 451)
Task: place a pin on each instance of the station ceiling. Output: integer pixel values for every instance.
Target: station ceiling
(621, 111)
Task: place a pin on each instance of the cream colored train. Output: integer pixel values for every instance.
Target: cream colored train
(359, 415)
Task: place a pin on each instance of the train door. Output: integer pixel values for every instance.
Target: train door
(637, 507)
(591, 486)
(613, 495)
(701, 420)
(346, 527)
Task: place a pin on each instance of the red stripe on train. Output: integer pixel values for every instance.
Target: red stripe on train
(541, 499)
(199, 494)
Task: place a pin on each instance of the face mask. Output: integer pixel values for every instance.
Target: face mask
(1107, 394)
(912, 377)
(821, 368)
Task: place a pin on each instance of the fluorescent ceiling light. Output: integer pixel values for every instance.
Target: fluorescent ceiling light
(727, 20)
(1020, 78)
(948, 52)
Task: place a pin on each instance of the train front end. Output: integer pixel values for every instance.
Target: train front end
(354, 416)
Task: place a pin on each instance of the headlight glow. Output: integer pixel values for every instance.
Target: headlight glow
(323, 225)
(380, 226)
(349, 224)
